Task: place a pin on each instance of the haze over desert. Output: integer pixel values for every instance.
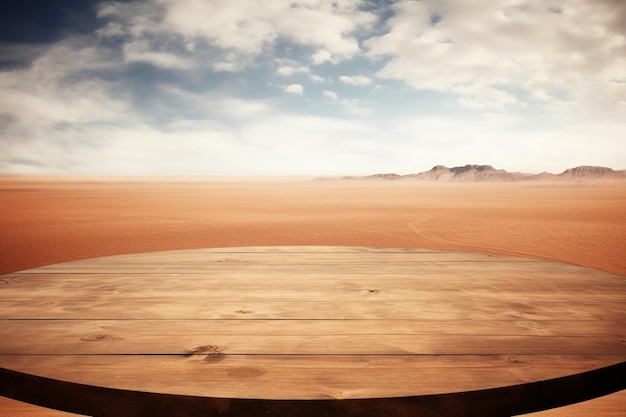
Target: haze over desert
(51, 220)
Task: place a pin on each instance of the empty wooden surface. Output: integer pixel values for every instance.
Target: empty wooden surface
(310, 322)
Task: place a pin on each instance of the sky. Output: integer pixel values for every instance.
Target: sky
(310, 87)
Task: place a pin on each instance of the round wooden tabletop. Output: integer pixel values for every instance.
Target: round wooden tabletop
(311, 330)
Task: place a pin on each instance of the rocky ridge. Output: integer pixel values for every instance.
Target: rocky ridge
(487, 173)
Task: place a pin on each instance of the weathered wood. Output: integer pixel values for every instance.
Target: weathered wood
(252, 327)
(271, 344)
(320, 287)
(303, 377)
(304, 323)
(204, 308)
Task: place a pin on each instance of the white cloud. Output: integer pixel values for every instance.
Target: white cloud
(321, 56)
(237, 108)
(481, 96)
(316, 78)
(41, 94)
(244, 29)
(352, 106)
(289, 67)
(297, 89)
(141, 51)
(497, 140)
(331, 94)
(312, 145)
(356, 107)
(211, 106)
(200, 150)
(135, 149)
(485, 49)
(89, 126)
(520, 85)
(111, 30)
(288, 70)
(542, 95)
(355, 79)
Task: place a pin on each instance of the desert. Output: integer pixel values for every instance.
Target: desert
(56, 219)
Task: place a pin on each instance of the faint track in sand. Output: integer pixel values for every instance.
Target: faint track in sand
(469, 247)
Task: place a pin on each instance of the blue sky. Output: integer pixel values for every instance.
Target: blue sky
(243, 87)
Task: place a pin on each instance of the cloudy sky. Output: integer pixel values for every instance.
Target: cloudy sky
(310, 87)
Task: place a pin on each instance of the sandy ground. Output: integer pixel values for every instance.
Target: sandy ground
(50, 220)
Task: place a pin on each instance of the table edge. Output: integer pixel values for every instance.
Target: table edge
(496, 402)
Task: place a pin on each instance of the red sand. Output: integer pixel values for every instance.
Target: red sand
(50, 220)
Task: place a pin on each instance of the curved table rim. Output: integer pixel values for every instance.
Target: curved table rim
(495, 402)
(504, 401)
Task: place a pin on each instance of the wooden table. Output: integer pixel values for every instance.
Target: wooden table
(311, 331)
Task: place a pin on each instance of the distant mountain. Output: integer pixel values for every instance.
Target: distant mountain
(468, 173)
(592, 172)
(487, 173)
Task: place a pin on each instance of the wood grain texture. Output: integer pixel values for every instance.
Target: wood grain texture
(306, 323)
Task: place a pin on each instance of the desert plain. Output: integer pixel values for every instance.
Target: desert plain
(49, 220)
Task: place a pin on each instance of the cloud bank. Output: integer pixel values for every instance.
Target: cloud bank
(314, 87)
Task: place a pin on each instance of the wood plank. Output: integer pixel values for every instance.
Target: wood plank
(201, 308)
(122, 328)
(303, 377)
(277, 266)
(318, 287)
(182, 343)
(298, 253)
(203, 260)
